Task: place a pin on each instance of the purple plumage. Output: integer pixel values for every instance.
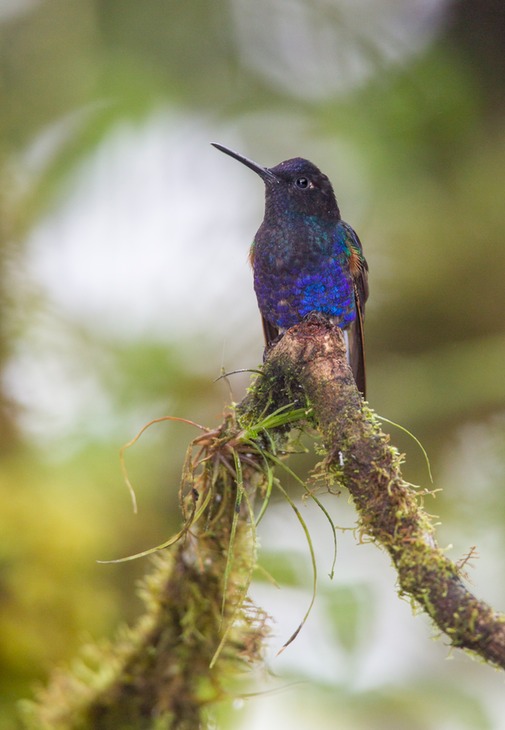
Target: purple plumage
(305, 258)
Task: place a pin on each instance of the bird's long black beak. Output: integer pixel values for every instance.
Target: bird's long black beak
(265, 174)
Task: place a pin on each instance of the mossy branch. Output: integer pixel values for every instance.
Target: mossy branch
(309, 366)
(199, 631)
(199, 628)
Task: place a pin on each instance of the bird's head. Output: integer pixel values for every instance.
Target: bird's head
(294, 186)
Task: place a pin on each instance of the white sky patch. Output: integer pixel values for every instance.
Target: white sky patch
(150, 237)
(148, 241)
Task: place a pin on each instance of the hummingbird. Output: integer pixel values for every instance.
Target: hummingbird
(305, 258)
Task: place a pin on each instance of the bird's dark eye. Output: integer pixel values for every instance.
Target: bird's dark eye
(302, 182)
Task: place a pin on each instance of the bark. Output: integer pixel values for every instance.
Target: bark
(310, 360)
(198, 628)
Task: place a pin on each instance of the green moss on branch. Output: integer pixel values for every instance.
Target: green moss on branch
(311, 361)
(198, 632)
(198, 626)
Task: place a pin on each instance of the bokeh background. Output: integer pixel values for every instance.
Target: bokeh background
(125, 291)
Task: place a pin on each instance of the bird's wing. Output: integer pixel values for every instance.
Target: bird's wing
(359, 272)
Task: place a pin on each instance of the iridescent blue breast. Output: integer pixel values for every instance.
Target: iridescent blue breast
(312, 276)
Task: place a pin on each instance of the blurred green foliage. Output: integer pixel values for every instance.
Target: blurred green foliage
(405, 112)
